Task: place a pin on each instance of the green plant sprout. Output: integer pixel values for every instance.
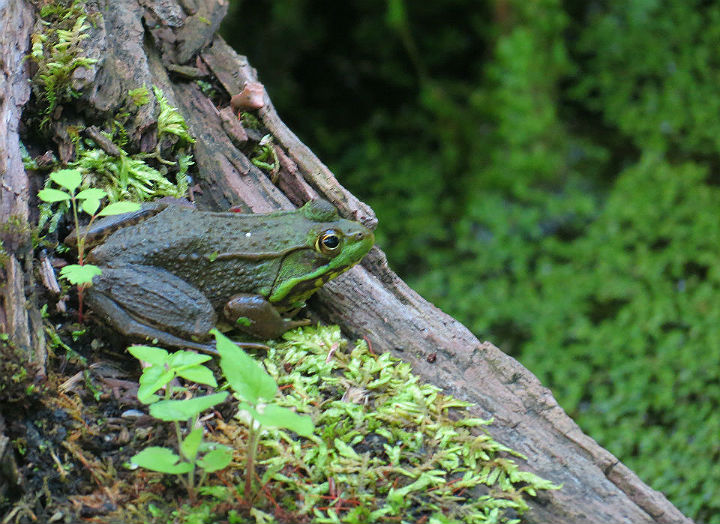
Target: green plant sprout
(131, 175)
(194, 452)
(170, 121)
(58, 53)
(265, 157)
(139, 96)
(88, 201)
(256, 390)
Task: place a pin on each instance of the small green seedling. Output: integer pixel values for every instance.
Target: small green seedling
(264, 157)
(255, 389)
(194, 452)
(88, 201)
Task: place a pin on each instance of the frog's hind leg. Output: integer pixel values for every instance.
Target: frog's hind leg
(152, 304)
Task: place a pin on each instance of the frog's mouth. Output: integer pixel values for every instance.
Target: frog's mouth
(298, 289)
(305, 287)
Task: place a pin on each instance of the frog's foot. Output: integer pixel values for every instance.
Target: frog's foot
(290, 324)
(256, 316)
(153, 304)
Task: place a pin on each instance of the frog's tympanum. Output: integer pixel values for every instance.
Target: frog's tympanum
(171, 272)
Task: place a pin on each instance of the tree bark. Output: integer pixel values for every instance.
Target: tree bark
(145, 43)
(19, 316)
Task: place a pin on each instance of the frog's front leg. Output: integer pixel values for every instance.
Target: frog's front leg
(255, 315)
(150, 303)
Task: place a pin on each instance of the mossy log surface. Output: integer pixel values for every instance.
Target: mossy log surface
(144, 43)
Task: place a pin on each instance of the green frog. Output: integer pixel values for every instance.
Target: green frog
(171, 272)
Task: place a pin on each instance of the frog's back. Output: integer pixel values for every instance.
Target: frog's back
(193, 245)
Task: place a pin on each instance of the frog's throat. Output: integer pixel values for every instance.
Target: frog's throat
(336, 266)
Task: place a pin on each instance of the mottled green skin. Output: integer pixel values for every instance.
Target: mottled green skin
(173, 274)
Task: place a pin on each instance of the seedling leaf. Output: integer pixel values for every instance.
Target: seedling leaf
(149, 354)
(181, 359)
(90, 205)
(118, 208)
(70, 179)
(153, 379)
(216, 459)
(160, 459)
(190, 444)
(93, 193)
(178, 410)
(273, 416)
(246, 377)
(53, 195)
(198, 374)
(77, 274)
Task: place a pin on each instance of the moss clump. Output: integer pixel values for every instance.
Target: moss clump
(13, 234)
(130, 176)
(17, 386)
(58, 52)
(386, 446)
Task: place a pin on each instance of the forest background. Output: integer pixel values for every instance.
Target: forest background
(548, 173)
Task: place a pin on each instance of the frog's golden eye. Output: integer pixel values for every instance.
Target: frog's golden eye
(328, 243)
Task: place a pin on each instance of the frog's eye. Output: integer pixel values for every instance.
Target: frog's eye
(328, 243)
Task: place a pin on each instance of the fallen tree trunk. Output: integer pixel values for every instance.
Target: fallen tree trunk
(162, 43)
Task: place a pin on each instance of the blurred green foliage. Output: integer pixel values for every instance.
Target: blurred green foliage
(547, 172)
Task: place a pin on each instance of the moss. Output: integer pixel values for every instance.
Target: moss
(386, 448)
(139, 96)
(58, 52)
(17, 385)
(13, 234)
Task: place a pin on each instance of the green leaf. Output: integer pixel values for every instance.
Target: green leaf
(146, 396)
(90, 205)
(184, 358)
(70, 179)
(160, 459)
(272, 416)
(199, 375)
(178, 410)
(149, 354)
(246, 377)
(190, 444)
(77, 274)
(156, 373)
(216, 459)
(118, 208)
(53, 195)
(153, 378)
(93, 193)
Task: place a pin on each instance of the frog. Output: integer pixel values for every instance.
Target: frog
(171, 273)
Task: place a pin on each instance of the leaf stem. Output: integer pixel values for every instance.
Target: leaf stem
(81, 255)
(253, 434)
